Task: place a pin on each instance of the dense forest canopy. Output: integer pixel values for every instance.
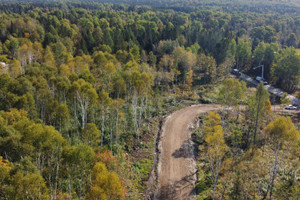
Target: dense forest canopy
(278, 6)
(80, 82)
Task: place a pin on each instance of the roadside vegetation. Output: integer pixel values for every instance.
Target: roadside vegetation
(247, 151)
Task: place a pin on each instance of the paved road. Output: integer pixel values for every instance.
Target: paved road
(271, 89)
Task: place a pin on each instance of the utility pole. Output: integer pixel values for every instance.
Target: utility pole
(262, 70)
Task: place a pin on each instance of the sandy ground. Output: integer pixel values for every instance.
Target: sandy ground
(177, 167)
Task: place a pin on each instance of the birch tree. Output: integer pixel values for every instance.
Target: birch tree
(230, 94)
(257, 107)
(79, 162)
(85, 96)
(215, 147)
(283, 136)
(91, 135)
(62, 116)
(26, 56)
(105, 102)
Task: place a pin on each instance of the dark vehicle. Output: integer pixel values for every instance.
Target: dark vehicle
(235, 72)
(260, 79)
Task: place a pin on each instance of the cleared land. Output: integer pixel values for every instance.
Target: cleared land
(177, 166)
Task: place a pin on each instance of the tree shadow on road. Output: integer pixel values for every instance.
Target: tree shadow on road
(176, 190)
(187, 150)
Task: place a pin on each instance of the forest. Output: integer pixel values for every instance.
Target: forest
(85, 84)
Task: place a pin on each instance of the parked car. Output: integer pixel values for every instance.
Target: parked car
(260, 79)
(236, 72)
(291, 107)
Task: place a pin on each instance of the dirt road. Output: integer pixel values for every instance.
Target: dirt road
(177, 167)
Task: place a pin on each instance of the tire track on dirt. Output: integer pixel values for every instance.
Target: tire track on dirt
(177, 166)
(176, 169)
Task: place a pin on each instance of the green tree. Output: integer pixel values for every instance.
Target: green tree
(286, 70)
(86, 25)
(230, 94)
(185, 61)
(79, 161)
(28, 186)
(259, 53)
(292, 40)
(265, 53)
(11, 47)
(236, 191)
(207, 65)
(105, 102)
(284, 100)
(48, 56)
(257, 108)
(225, 51)
(243, 54)
(98, 36)
(62, 116)
(5, 170)
(85, 96)
(107, 38)
(135, 51)
(91, 135)
(49, 147)
(15, 69)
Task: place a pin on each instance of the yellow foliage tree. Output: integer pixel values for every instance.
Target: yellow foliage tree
(189, 80)
(283, 136)
(215, 146)
(48, 57)
(105, 184)
(14, 68)
(212, 121)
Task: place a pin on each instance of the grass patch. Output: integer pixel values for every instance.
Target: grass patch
(143, 167)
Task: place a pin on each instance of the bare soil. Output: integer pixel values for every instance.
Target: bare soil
(177, 166)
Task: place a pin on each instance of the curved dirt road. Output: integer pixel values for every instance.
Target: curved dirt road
(177, 167)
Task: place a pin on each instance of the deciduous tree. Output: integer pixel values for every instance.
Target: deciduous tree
(256, 109)
(105, 185)
(284, 136)
(85, 96)
(215, 147)
(286, 70)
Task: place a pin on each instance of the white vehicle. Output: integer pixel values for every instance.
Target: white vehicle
(291, 107)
